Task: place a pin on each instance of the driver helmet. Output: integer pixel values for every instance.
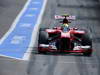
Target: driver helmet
(65, 15)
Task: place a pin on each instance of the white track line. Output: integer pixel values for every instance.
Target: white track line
(10, 57)
(33, 38)
(15, 22)
(13, 27)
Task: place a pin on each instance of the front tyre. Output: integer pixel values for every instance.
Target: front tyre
(87, 53)
(43, 39)
(86, 40)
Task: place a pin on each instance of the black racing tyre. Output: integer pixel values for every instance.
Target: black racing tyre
(42, 52)
(87, 53)
(86, 40)
(43, 29)
(43, 37)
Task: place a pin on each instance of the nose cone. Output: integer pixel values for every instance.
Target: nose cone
(65, 35)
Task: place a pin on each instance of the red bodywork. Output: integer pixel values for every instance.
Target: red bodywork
(68, 34)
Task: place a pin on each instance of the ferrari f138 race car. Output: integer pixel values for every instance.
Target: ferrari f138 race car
(74, 40)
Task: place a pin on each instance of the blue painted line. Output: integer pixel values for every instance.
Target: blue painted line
(16, 44)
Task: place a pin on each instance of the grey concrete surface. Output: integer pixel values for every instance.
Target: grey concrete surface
(10, 66)
(87, 13)
(9, 9)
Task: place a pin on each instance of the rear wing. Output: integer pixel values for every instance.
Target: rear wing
(62, 17)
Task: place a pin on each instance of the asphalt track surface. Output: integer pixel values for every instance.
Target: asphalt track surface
(9, 9)
(87, 14)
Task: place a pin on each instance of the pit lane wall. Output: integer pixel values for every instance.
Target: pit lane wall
(10, 66)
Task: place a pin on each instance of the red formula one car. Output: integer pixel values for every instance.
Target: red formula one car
(73, 41)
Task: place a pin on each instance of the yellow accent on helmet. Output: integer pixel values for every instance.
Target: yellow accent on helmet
(65, 24)
(65, 15)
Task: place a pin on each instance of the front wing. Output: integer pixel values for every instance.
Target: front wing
(49, 48)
